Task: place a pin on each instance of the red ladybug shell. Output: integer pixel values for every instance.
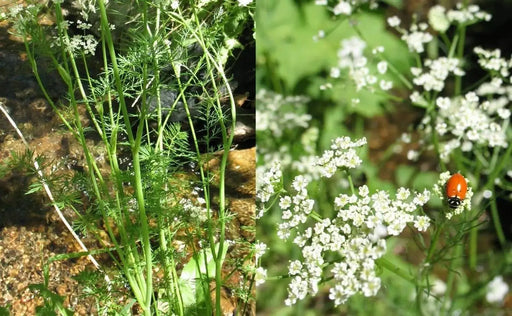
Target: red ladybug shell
(456, 189)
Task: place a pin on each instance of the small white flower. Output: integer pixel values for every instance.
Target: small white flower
(326, 86)
(260, 276)
(422, 223)
(295, 267)
(342, 8)
(382, 67)
(487, 194)
(83, 25)
(406, 138)
(438, 19)
(438, 287)
(441, 128)
(285, 202)
(244, 3)
(413, 155)
(371, 287)
(378, 50)
(335, 72)
(504, 113)
(416, 71)
(416, 40)
(260, 249)
(443, 103)
(319, 35)
(496, 290)
(393, 21)
(403, 193)
(385, 85)
(300, 183)
(363, 191)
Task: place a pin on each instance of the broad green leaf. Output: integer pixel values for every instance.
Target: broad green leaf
(200, 267)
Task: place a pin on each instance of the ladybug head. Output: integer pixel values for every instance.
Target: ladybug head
(454, 202)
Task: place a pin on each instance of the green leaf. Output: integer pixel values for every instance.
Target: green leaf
(34, 188)
(395, 3)
(45, 311)
(4, 311)
(64, 74)
(52, 300)
(127, 308)
(200, 267)
(286, 34)
(404, 174)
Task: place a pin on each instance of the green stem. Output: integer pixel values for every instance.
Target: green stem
(350, 182)
(146, 284)
(455, 262)
(473, 234)
(435, 139)
(433, 243)
(227, 141)
(460, 55)
(388, 265)
(473, 247)
(400, 76)
(427, 266)
(497, 223)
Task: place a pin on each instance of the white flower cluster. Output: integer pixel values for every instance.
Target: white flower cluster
(82, 44)
(76, 44)
(260, 273)
(295, 209)
(351, 56)
(271, 147)
(272, 106)
(439, 190)
(244, 3)
(492, 61)
(440, 20)
(467, 14)
(437, 18)
(351, 53)
(416, 37)
(13, 11)
(86, 7)
(196, 208)
(259, 250)
(23, 16)
(346, 7)
(496, 290)
(438, 70)
(356, 235)
(341, 155)
(268, 180)
(470, 122)
(495, 86)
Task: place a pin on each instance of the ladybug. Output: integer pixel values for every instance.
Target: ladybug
(456, 189)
